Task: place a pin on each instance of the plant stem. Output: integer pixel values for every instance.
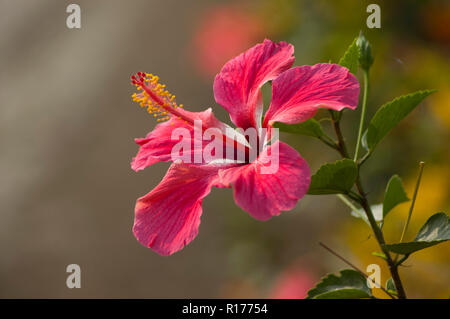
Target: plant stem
(398, 263)
(327, 142)
(381, 242)
(411, 208)
(363, 113)
(341, 147)
(349, 203)
(405, 228)
(393, 268)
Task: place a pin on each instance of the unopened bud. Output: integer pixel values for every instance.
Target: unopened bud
(365, 52)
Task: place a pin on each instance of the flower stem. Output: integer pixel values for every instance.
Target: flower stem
(363, 113)
(393, 267)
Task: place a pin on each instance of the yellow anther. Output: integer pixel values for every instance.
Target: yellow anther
(154, 96)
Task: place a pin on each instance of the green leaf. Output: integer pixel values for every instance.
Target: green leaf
(394, 195)
(310, 127)
(334, 178)
(390, 287)
(350, 58)
(388, 116)
(349, 285)
(436, 230)
(377, 211)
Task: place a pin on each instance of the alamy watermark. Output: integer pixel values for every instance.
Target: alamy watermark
(374, 19)
(213, 145)
(73, 20)
(74, 279)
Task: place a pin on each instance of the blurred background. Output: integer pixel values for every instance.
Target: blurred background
(67, 125)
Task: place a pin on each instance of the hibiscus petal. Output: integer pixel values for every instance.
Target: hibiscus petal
(265, 195)
(298, 92)
(237, 86)
(158, 144)
(167, 218)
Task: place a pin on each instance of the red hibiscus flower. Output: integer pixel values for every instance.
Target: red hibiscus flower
(167, 218)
